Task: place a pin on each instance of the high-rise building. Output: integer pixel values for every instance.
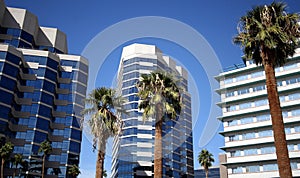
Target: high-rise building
(133, 151)
(249, 143)
(41, 93)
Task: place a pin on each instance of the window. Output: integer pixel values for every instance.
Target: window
(265, 133)
(245, 105)
(257, 74)
(247, 120)
(241, 78)
(237, 170)
(250, 152)
(229, 94)
(267, 150)
(290, 66)
(263, 118)
(291, 147)
(235, 153)
(228, 80)
(287, 130)
(232, 122)
(250, 135)
(233, 138)
(259, 88)
(270, 167)
(261, 102)
(294, 96)
(252, 168)
(243, 91)
(296, 112)
(231, 108)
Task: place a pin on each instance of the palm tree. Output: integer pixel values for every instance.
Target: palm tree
(269, 35)
(104, 121)
(205, 159)
(18, 159)
(5, 152)
(46, 148)
(160, 99)
(74, 170)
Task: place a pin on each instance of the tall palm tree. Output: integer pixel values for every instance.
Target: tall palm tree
(104, 121)
(74, 170)
(5, 152)
(269, 35)
(205, 159)
(46, 149)
(160, 99)
(18, 159)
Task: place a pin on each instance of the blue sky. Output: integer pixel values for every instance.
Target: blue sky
(213, 21)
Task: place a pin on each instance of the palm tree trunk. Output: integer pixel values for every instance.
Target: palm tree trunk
(43, 165)
(99, 164)
(206, 173)
(2, 167)
(282, 153)
(158, 143)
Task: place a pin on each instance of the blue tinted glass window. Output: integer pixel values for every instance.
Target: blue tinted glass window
(45, 111)
(83, 67)
(74, 147)
(37, 59)
(14, 32)
(74, 64)
(46, 98)
(39, 137)
(2, 55)
(26, 36)
(10, 70)
(6, 97)
(1, 66)
(7, 83)
(12, 58)
(82, 78)
(52, 63)
(42, 124)
(76, 134)
(48, 86)
(51, 75)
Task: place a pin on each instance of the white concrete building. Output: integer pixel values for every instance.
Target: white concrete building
(249, 142)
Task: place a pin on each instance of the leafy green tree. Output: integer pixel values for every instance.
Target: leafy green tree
(74, 170)
(205, 159)
(160, 99)
(5, 152)
(104, 121)
(46, 149)
(269, 35)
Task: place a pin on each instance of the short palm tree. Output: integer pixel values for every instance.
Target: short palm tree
(74, 171)
(46, 149)
(5, 152)
(205, 159)
(104, 121)
(269, 35)
(18, 159)
(160, 99)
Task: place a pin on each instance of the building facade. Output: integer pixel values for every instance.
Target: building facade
(133, 150)
(213, 172)
(42, 89)
(249, 142)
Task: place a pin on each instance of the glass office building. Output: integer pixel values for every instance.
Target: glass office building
(42, 90)
(249, 143)
(133, 150)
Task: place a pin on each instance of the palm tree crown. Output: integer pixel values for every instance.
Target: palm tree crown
(268, 28)
(74, 170)
(205, 159)
(159, 88)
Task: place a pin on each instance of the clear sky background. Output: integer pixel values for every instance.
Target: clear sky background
(215, 20)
